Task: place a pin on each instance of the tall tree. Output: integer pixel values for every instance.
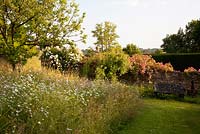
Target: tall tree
(187, 42)
(25, 24)
(131, 49)
(63, 25)
(106, 35)
(192, 33)
(174, 43)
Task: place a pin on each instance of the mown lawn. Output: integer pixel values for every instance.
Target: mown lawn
(165, 117)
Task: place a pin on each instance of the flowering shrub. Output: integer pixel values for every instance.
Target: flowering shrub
(36, 102)
(145, 65)
(62, 59)
(107, 65)
(190, 69)
(167, 67)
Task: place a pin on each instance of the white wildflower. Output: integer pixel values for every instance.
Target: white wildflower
(39, 123)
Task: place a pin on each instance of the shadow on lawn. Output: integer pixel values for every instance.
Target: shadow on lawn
(188, 99)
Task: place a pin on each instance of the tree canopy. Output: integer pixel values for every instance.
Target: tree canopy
(192, 36)
(187, 41)
(174, 43)
(106, 35)
(25, 24)
(131, 49)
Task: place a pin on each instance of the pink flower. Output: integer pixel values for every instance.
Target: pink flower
(190, 69)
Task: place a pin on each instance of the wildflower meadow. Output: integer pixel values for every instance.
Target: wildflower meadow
(45, 102)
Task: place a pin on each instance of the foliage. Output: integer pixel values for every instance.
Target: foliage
(184, 42)
(89, 65)
(192, 34)
(174, 43)
(107, 65)
(179, 61)
(89, 52)
(142, 62)
(143, 66)
(25, 24)
(114, 64)
(39, 102)
(63, 59)
(16, 37)
(17, 55)
(159, 51)
(190, 69)
(189, 99)
(146, 91)
(167, 67)
(149, 51)
(131, 49)
(106, 35)
(63, 25)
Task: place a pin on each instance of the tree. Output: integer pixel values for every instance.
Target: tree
(192, 34)
(184, 42)
(25, 24)
(158, 52)
(174, 43)
(106, 35)
(63, 25)
(131, 49)
(89, 52)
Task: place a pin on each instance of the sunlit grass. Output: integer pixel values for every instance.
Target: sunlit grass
(33, 64)
(165, 117)
(4, 65)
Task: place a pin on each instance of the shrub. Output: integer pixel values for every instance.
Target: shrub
(36, 102)
(89, 65)
(143, 66)
(167, 67)
(190, 69)
(62, 59)
(144, 63)
(146, 91)
(107, 65)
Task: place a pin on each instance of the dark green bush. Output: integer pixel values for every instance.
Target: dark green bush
(180, 61)
(89, 65)
(146, 91)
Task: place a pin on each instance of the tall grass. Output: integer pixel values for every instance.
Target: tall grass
(43, 101)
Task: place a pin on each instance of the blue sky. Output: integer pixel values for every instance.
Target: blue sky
(142, 22)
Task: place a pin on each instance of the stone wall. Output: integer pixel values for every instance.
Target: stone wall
(178, 77)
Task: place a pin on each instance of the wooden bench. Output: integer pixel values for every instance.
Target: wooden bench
(169, 88)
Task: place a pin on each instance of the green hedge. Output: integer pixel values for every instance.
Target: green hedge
(180, 61)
